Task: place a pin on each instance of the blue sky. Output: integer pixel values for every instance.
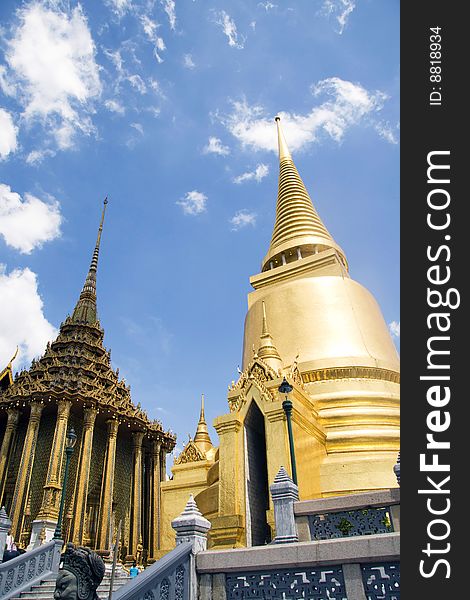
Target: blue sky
(168, 108)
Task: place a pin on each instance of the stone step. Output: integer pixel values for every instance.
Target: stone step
(48, 593)
(45, 590)
(104, 584)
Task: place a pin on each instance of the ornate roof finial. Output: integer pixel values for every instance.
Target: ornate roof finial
(85, 310)
(267, 351)
(6, 375)
(298, 230)
(281, 141)
(202, 438)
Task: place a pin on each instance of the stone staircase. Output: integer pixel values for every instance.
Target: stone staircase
(46, 589)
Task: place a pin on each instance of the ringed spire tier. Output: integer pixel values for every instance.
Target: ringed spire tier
(267, 351)
(86, 310)
(298, 230)
(202, 438)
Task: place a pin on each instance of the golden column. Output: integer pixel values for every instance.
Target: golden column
(137, 438)
(83, 474)
(107, 486)
(155, 498)
(12, 424)
(25, 468)
(228, 527)
(162, 464)
(52, 488)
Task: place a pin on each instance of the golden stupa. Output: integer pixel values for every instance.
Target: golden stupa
(308, 321)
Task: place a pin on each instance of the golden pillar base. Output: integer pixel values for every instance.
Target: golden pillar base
(228, 532)
(49, 510)
(352, 472)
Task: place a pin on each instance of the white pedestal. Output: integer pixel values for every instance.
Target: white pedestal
(37, 527)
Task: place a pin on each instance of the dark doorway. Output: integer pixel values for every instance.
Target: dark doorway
(258, 530)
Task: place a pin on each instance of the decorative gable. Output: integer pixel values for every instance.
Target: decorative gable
(191, 453)
(257, 373)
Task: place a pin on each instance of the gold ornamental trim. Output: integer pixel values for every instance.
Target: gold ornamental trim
(191, 453)
(329, 374)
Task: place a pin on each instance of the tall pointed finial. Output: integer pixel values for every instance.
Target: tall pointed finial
(267, 351)
(202, 438)
(86, 310)
(281, 140)
(264, 330)
(298, 230)
(201, 417)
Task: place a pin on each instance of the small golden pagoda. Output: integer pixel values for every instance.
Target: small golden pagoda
(120, 456)
(309, 322)
(191, 471)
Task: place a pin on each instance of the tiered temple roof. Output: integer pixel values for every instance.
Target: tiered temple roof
(76, 366)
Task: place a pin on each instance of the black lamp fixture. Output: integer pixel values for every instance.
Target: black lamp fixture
(285, 388)
(70, 441)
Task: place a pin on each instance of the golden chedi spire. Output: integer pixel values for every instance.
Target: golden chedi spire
(202, 438)
(267, 351)
(298, 230)
(86, 310)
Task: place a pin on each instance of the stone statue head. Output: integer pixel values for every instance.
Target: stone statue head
(81, 572)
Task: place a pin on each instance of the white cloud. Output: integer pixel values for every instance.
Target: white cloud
(8, 133)
(344, 105)
(150, 29)
(394, 327)
(35, 157)
(116, 58)
(386, 132)
(193, 203)
(22, 321)
(267, 5)
(138, 127)
(51, 61)
(188, 61)
(120, 7)
(258, 174)
(156, 87)
(27, 224)
(243, 218)
(215, 146)
(6, 85)
(115, 106)
(138, 83)
(230, 29)
(169, 8)
(340, 10)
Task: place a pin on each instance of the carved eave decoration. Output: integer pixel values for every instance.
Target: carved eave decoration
(77, 367)
(257, 373)
(191, 453)
(293, 374)
(6, 378)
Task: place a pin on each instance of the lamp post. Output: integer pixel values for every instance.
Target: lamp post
(286, 388)
(70, 441)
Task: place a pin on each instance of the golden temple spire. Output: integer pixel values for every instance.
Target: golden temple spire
(85, 310)
(267, 351)
(298, 230)
(202, 438)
